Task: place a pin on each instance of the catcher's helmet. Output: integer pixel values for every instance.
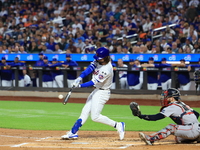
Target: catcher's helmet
(171, 92)
(101, 53)
(197, 76)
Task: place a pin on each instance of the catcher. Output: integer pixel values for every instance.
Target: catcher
(187, 127)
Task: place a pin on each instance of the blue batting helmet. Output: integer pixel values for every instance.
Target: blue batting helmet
(101, 53)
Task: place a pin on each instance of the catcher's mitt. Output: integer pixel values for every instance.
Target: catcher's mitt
(135, 108)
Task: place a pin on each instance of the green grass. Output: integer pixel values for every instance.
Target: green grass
(55, 116)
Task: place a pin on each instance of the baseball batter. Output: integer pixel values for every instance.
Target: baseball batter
(187, 127)
(102, 78)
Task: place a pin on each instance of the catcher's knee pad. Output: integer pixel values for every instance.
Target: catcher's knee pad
(172, 128)
(76, 126)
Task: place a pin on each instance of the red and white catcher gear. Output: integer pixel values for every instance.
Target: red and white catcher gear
(162, 134)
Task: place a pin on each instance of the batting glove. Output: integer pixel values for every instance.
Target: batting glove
(76, 82)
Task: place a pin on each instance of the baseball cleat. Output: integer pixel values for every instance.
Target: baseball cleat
(121, 129)
(69, 136)
(144, 138)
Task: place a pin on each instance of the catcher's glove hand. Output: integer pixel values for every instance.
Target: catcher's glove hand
(135, 108)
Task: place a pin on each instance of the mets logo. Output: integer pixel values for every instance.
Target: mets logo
(100, 76)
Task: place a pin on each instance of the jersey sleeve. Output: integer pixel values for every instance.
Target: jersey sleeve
(89, 69)
(168, 111)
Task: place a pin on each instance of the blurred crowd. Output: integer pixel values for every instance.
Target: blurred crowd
(81, 26)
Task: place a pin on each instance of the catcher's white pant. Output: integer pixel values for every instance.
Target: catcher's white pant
(123, 83)
(181, 132)
(6, 83)
(152, 86)
(185, 87)
(190, 132)
(94, 106)
(70, 82)
(20, 83)
(58, 82)
(166, 85)
(47, 84)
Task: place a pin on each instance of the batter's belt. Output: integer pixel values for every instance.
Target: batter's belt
(101, 88)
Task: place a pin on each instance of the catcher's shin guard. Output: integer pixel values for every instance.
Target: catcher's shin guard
(76, 126)
(162, 134)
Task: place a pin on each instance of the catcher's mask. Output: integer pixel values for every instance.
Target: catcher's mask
(171, 92)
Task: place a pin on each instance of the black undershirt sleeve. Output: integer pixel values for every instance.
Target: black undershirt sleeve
(152, 117)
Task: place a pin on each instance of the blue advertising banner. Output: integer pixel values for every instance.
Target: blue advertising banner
(115, 57)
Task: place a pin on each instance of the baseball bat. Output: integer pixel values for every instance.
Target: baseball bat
(67, 96)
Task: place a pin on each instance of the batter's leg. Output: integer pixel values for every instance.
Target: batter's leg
(72, 134)
(98, 101)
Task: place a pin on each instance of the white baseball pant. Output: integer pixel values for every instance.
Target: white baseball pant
(6, 83)
(185, 87)
(47, 84)
(20, 83)
(58, 82)
(123, 83)
(166, 85)
(69, 82)
(27, 80)
(94, 106)
(152, 86)
(136, 87)
(187, 132)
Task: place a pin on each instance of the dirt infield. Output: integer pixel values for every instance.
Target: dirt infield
(12, 139)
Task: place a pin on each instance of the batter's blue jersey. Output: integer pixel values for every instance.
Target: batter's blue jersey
(20, 72)
(71, 74)
(165, 75)
(133, 77)
(7, 73)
